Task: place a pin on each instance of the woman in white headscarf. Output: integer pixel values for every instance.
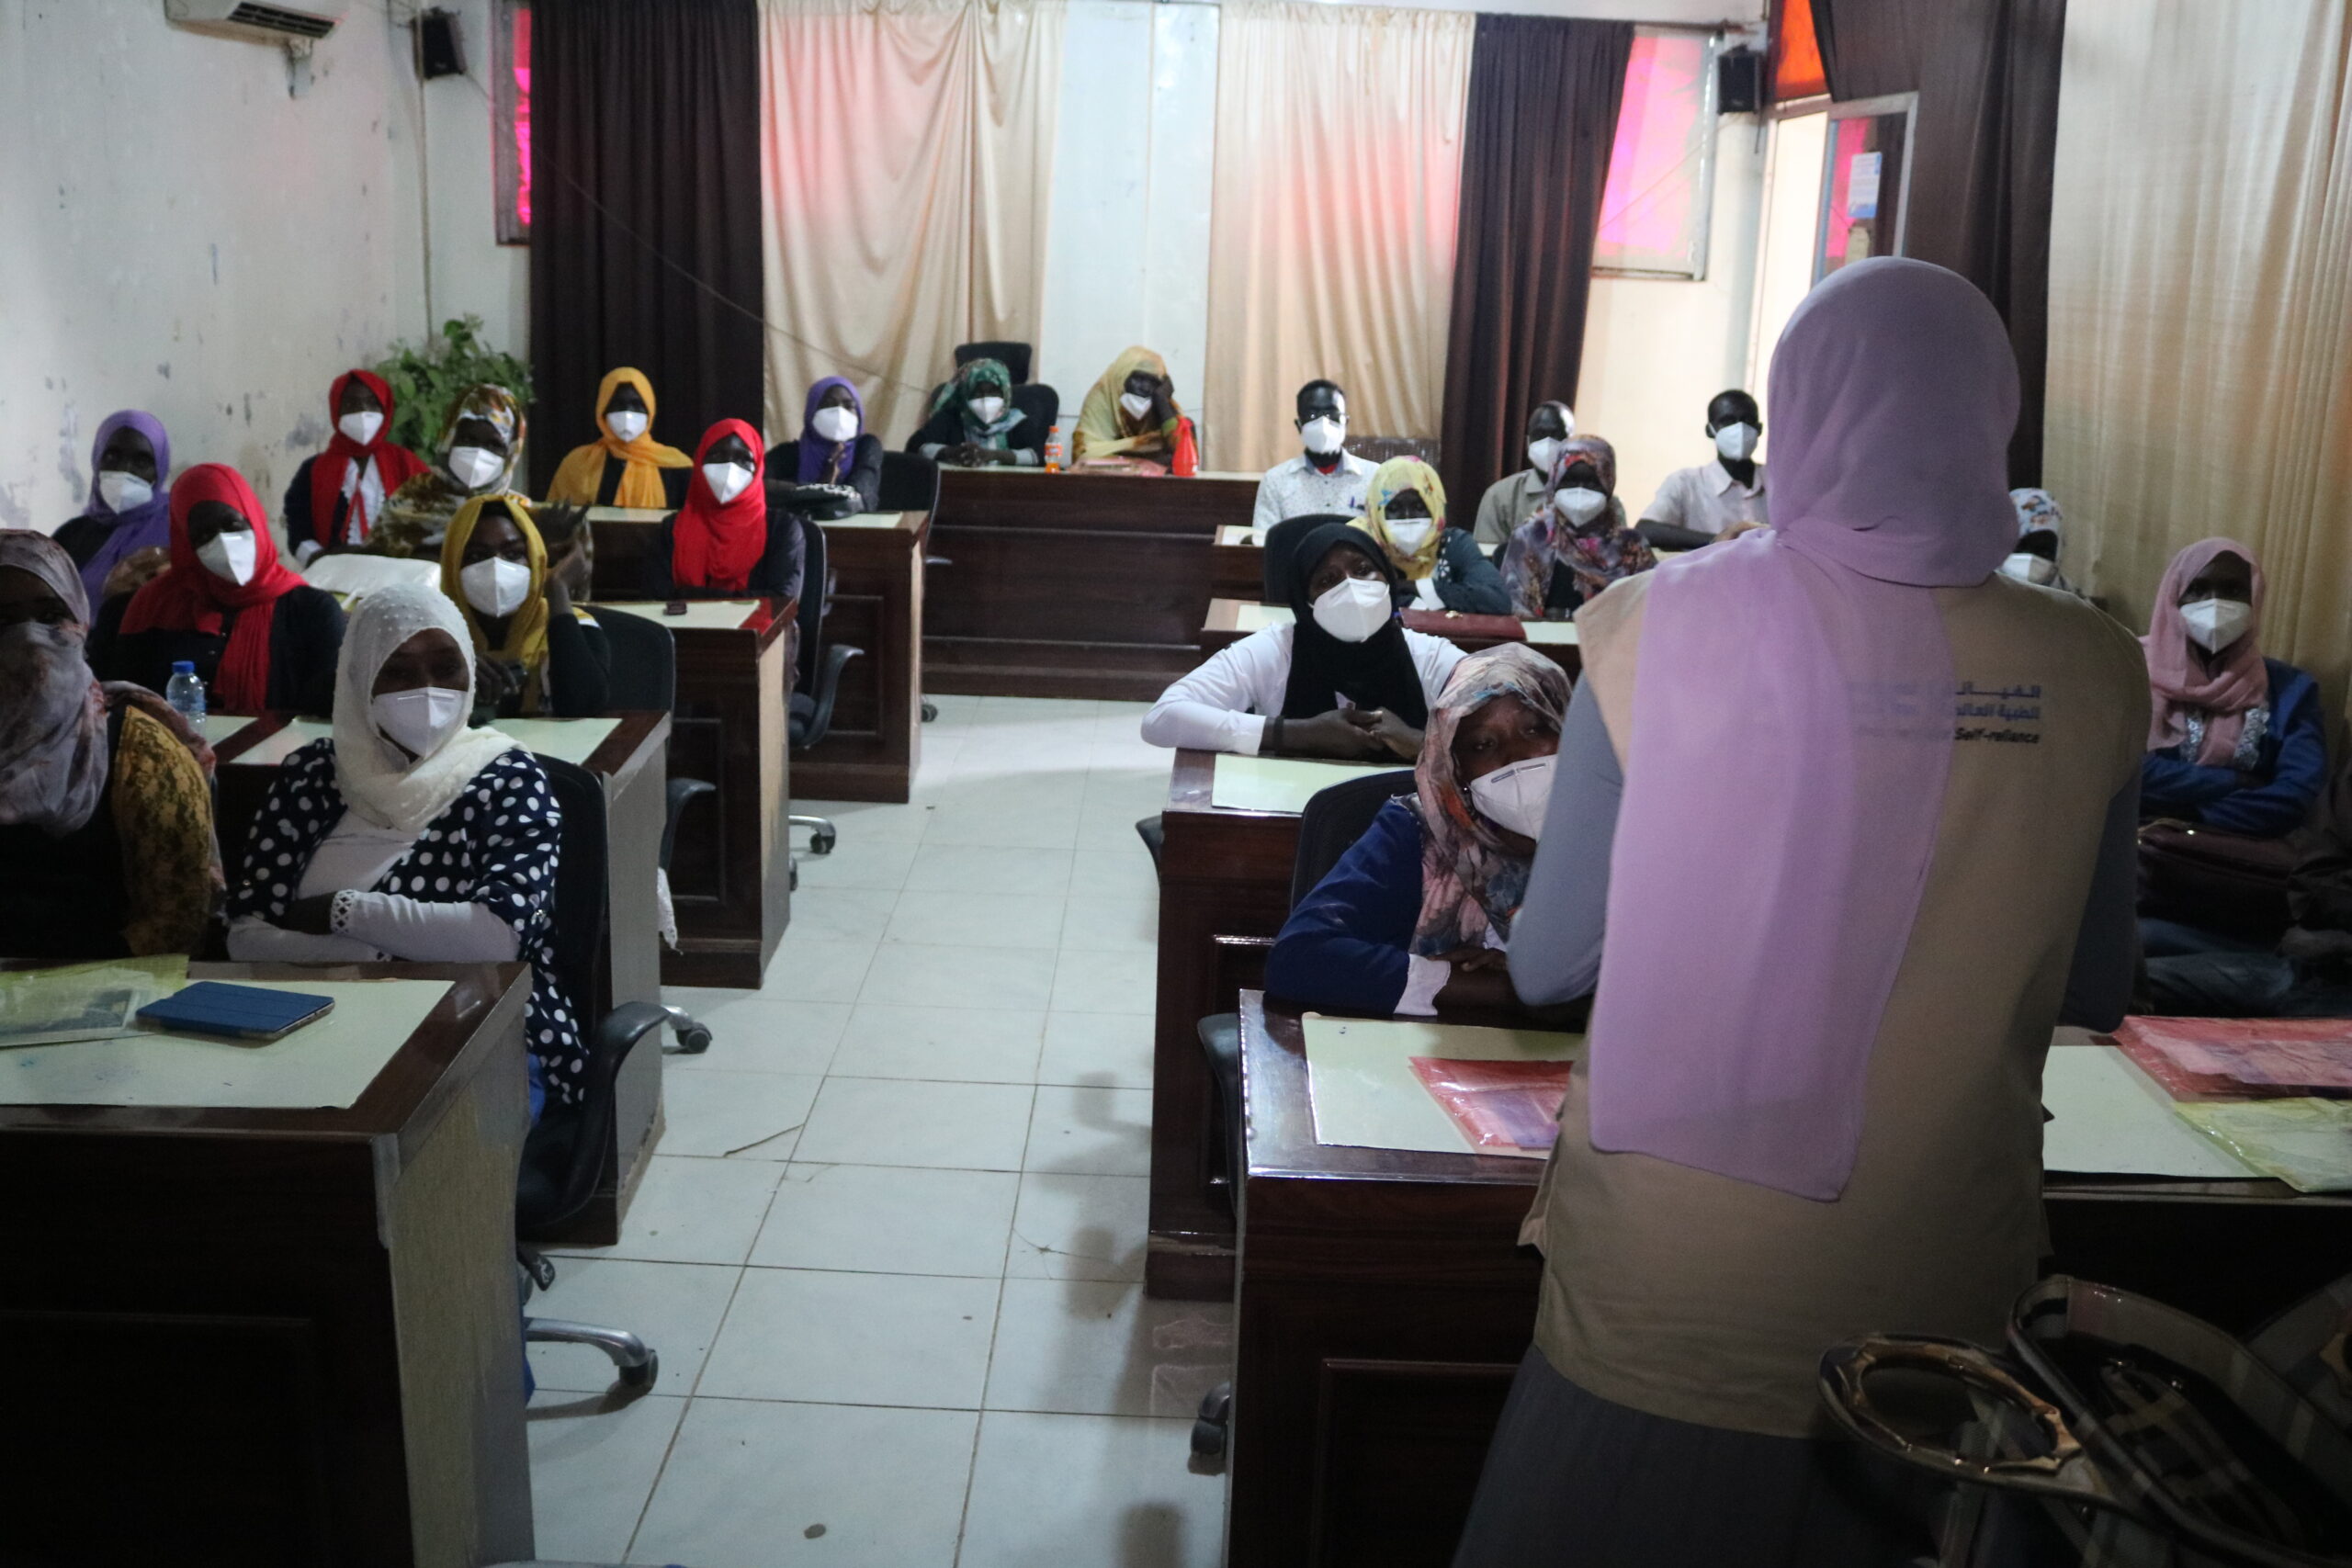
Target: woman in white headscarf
(408, 835)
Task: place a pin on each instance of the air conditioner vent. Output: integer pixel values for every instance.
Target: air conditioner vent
(278, 19)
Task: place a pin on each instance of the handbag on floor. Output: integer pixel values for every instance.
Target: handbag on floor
(2215, 880)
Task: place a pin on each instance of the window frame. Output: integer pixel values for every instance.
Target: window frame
(1713, 44)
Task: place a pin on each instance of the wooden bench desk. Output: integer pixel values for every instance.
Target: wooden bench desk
(1238, 563)
(277, 1336)
(630, 761)
(1230, 620)
(1072, 584)
(1384, 1302)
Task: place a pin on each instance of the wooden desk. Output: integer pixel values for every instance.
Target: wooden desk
(1072, 584)
(277, 1337)
(1236, 564)
(730, 874)
(877, 736)
(1230, 620)
(631, 763)
(1384, 1303)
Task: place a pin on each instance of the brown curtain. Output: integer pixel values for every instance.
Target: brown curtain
(1987, 72)
(1536, 139)
(644, 223)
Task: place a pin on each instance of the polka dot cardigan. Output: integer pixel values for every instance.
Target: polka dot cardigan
(496, 846)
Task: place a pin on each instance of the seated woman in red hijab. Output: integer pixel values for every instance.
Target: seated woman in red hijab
(728, 541)
(336, 496)
(260, 637)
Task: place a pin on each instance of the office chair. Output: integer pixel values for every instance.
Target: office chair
(1043, 405)
(820, 673)
(1334, 819)
(1380, 448)
(1015, 357)
(1281, 544)
(565, 1153)
(645, 675)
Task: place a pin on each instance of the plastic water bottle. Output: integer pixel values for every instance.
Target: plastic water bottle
(185, 693)
(1053, 448)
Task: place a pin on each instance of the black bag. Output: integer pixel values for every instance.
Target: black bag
(2215, 880)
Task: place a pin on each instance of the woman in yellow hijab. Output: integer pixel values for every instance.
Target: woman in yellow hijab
(624, 466)
(1131, 414)
(1439, 568)
(533, 653)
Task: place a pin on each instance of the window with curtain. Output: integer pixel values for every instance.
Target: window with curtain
(510, 119)
(1655, 209)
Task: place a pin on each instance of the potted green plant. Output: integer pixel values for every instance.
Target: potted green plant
(427, 381)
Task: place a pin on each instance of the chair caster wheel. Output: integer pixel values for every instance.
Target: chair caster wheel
(822, 843)
(1210, 1426)
(1208, 1440)
(930, 713)
(644, 1376)
(542, 1271)
(694, 1041)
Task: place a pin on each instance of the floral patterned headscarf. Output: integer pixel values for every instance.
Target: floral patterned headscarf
(1599, 552)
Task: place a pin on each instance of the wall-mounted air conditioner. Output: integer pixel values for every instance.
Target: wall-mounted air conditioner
(253, 20)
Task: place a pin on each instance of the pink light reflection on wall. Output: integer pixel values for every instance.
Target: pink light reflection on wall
(1652, 178)
(522, 58)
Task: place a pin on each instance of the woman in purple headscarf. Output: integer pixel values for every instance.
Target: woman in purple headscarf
(130, 504)
(1855, 814)
(833, 450)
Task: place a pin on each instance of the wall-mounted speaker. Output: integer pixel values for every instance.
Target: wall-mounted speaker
(439, 52)
(1739, 81)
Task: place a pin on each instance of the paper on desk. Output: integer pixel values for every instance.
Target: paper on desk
(702, 615)
(1551, 631)
(2304, 1142)
(865, 520)
(83, 1001)
(272, 750)
(327, 1065)
(217, 726)
(352, 576)
(1360, 1076)
(1258, 617)
(1282, 783)
(1238, 534)
(627, 513)
(2107, 1116)
(573, 740)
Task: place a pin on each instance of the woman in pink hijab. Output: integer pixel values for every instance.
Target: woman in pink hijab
(1811, 1104)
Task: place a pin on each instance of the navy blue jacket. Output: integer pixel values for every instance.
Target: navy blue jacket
(2273, 798)
(1467, 583)
(1343, 949)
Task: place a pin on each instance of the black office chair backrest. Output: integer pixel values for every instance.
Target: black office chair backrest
(1334, 819)
(816, 591)
(1042, 404)
(580, 902)
(1282, 542)
(1013, 356)
(909, 483)
(645, 662)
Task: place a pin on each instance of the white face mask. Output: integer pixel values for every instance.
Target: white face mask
(988, 410)
(360, 427)
(122, 492)
(627, 424)
(1323, 437)
(726, 480)
(2214, 624)
(1515, 797)
(1135, 403)
(2027, 567)
(1354, 607)
(420, 718)
(474, 466)
(496, 586)
(1541, 454)
(1409, 533)
(836, 424)
(229, 556)
(1582, 505)
(1737, 442)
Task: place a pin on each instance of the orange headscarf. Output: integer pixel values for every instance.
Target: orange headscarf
(582, 474)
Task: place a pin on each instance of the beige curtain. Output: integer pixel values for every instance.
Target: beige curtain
(1339, 171)
(907, 156)
(2200, 304)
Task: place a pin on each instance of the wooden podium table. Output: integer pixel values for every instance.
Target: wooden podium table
(877, 736)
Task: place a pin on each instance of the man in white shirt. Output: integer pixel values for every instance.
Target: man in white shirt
(1326, 479)
(1698, 506)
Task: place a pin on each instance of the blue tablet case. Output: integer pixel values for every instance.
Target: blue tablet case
(243, 1012)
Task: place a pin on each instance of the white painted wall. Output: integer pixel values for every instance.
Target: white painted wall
(1128, 243)
(1655, 350)
(184, 235)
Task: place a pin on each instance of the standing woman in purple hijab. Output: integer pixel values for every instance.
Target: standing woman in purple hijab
(130, 504)
(834, 448)
(1810, 1106)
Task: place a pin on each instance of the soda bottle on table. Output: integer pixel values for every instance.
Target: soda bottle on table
(1053, 448)
(184, 693)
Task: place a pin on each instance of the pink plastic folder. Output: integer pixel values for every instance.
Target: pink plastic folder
(1504, 1108)
(2242, 1058)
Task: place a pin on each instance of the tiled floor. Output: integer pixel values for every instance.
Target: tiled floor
(891, 1247)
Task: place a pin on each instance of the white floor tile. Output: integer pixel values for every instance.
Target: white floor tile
(939, 1126)
(920, 975)
(981, 868)
(1106, 825)
(1124, 870)
(693, 1211)
(592, 1467)
(861, 861)
(842, 914)
(854, 1340)
(673, 1307)
(1047, 828)
(769, 1485)
(960, 1044)
(880, 1219)
(1119, 980)
(736, 1115)
(1079, 1227)
(1104, 1350)
(753, 1031)
(1087, 1130)
(976, 920)
(1111, 1049)
(860, 822)
(1129, 924)
(804, 971)
(1090, 1489)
